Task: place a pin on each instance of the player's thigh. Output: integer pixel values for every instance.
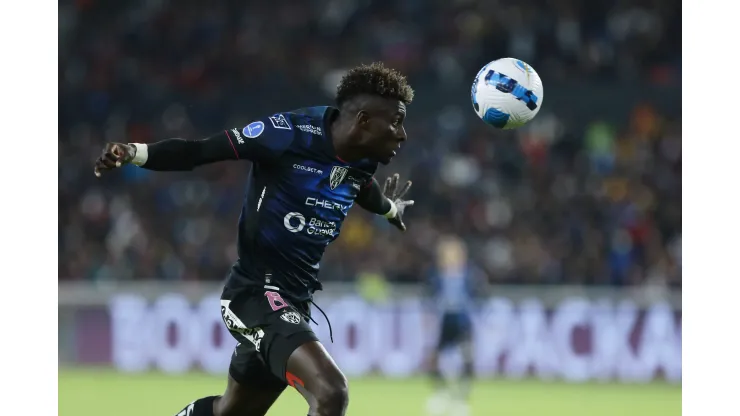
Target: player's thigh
(252, 388)
(271, 325)
(455, 330)
(312, 371)
(448, 332)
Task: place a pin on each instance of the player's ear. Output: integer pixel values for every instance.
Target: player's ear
(362, 119)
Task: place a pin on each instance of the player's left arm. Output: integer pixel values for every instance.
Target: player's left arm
(388, 201)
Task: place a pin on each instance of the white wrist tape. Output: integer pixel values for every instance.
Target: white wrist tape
(142, 154)
(392, 213)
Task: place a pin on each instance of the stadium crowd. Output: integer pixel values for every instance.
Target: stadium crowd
(594, 202)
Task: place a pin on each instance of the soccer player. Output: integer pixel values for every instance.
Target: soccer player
(453, 283)
(309, 167)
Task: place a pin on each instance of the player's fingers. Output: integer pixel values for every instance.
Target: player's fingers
(387, 191)
(391, 188)
(401, 226)
(395, 183)
(110, 161)
(100, 166)
(403, 190)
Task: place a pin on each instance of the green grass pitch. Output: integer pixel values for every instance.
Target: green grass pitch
(88, 392)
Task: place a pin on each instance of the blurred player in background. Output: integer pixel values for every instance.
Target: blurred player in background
(309, 167)
(454, 284)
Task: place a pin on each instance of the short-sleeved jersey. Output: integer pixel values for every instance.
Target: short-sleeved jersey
(298, 195)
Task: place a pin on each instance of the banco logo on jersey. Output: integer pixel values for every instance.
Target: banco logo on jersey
(294, 222)
(253, 130)
(338, 173)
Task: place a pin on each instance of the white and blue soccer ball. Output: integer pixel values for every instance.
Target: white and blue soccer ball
(507, 93)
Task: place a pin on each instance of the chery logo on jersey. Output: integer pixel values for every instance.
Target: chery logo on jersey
(253, 130)
(325, 203)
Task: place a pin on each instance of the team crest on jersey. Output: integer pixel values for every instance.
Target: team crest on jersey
(338, 173)
(291, 317)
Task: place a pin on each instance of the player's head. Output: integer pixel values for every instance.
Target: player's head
(451, 252)
(373, 99)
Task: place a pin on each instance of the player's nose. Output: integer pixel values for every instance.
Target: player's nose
(401, 134)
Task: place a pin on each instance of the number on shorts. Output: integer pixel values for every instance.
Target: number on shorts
(276, 302)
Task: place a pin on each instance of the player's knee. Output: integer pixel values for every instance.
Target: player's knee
(332, 394)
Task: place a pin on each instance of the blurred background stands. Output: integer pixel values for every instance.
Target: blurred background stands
(589, 193)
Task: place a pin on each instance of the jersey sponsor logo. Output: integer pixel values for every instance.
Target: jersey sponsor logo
(291, 318)
(310, 129)
(294, 222)
(318, 226)
(280, 122)
(253, 130)
(338, 173)
(235, 325)
(308, 169)
(237, 136)
(325, 203)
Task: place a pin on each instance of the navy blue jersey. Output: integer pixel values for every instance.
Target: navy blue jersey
(453, 291)
(298, 195)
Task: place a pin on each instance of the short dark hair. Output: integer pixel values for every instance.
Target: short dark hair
(374, 79)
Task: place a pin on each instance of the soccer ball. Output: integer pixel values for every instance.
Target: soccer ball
(507, 93)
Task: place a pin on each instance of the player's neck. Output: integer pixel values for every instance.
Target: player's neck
(342, 144)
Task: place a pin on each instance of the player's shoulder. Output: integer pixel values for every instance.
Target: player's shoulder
(310, 121)
(310, 126)
(285, 129)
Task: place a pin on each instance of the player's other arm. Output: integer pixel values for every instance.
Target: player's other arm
(258, 142)
(388, 201)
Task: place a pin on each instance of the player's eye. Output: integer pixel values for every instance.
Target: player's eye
(396, 122)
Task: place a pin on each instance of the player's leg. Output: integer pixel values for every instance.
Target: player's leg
(290, 349)
(439, 402)
(466, 348)
(460, 398)
(315, 375)
(237, 400)
(250, 390)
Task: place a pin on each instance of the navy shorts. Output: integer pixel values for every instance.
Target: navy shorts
(268, 329)
(455, 328)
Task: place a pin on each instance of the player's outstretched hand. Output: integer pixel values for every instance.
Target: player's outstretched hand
(114, 156)
(392, 192)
